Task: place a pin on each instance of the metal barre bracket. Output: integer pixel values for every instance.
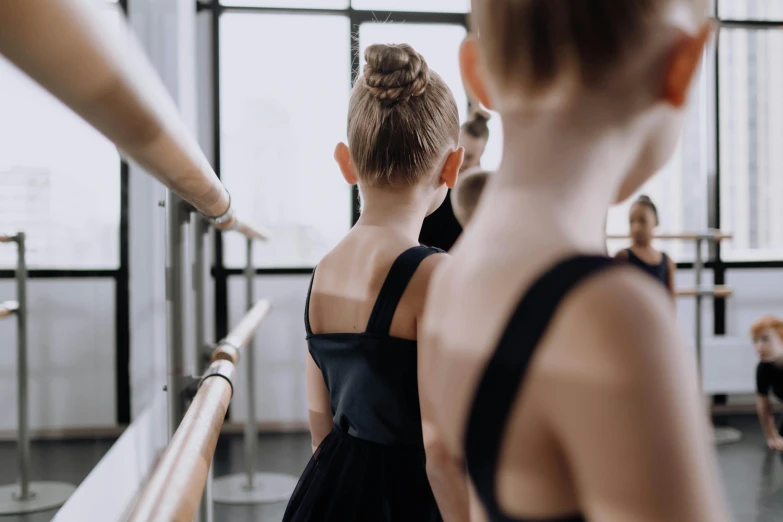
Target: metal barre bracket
(225, 216)
(220, 368)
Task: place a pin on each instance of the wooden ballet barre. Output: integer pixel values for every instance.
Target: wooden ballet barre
(8, 308)
(174, 490)
(716, 291)
(102, 74)
(711, 235)
(229, 348)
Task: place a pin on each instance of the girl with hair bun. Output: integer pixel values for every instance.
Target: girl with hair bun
(643, 219)
(373, 443)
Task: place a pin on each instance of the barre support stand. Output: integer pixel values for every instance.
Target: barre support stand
(252, 487)
(26, 497)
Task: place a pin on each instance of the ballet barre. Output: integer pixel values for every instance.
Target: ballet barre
(713, 235)
(8, 308)
(174, 490)
(719, 291)
(102, 74)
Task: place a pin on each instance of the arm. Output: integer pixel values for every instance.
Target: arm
(767, 420)
(446, 472)
(626, 408)
(318, 406)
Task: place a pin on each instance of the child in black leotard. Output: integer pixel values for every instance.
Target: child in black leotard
(767, 335)
(370, 435)
(643, 218)
(560, 377)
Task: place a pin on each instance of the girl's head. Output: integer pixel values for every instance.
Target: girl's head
(625, 66)
(643, 218)
(473, 137)
(403, 127)
(767, 335)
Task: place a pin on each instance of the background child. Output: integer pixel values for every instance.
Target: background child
(466, 194)
(643, 219)
(767, 335)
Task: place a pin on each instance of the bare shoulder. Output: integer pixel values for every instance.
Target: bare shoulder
(620, 324)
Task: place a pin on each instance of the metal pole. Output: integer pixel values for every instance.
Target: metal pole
(251, 487)
(26, 497)
(200, 228)
(251, 430)
(177, 218)
(697, 267)
(21, 358)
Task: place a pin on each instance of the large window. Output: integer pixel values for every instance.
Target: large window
(285, 82)
(751, 9)
(751, 130)
(59, 178)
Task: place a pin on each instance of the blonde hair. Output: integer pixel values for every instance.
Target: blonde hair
(768, 321)
(466, 194)
(401, 117)
(531, 43)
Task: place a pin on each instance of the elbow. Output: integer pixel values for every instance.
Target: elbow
(438, 458)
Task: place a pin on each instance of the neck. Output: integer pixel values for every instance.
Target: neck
(401, 211)
(562, 171)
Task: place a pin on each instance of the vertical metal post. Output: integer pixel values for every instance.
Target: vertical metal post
(177, 218)
(200, 229)
(251, 429)
(697, 267)
(21, 357)
(24, 496)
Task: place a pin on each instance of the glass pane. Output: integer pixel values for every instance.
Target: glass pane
(751, 9)
(281, 115)
(680, 189)
(433, 6)
(59, 178)
(438, 44)
(751, 155)
(308, 4)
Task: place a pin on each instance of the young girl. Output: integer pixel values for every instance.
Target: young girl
(442, 228)
(366, 297)
(767, 335)
(467, 192)
(560, 377)
(643, 218)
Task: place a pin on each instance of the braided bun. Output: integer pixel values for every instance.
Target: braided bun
(395, 73)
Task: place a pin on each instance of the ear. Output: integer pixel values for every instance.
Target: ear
(683, 63)
(342, 155)
(471, 71)
(451, 168)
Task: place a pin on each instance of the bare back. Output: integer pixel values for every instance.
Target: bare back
(349, 279)
(609, 375)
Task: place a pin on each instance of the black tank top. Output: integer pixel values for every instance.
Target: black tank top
(659, 271)
(371, 376)
(505, 373)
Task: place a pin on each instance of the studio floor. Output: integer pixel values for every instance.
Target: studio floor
(752, 475)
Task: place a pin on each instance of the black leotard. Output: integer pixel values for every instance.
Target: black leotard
(505, 373)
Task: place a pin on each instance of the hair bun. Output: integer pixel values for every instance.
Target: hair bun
(395, 73)
(644, 198)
